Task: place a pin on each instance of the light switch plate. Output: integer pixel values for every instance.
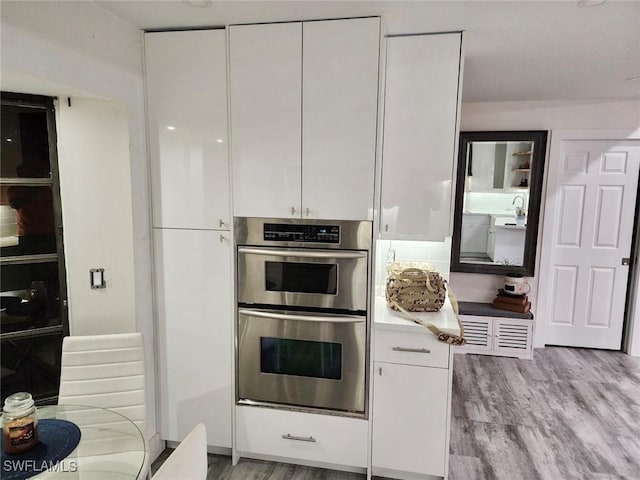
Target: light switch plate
(97, 278)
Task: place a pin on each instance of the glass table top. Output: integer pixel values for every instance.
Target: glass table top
(111, 446)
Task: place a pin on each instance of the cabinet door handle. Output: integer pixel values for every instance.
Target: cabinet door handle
(293, 210)
(411, 350)
(299, 439)
(307, 211)
(380, 371)
(221, 223)
(222, 238)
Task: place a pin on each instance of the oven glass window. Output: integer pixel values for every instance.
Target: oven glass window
(301, 277)
(301, 357)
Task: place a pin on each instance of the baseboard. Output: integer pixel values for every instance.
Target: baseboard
(306, 463)
(402, 475)
(214, 450)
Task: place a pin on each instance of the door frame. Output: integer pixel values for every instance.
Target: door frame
(631, 323)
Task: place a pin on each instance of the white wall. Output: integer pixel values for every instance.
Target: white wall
(78, 49)
(596, 114)
(93, 146)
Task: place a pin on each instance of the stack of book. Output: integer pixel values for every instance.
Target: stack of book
(513, 303)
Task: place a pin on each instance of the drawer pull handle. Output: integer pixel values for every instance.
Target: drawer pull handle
(299, 439)
(412, 350)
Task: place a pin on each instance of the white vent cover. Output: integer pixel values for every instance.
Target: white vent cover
(512, 336)
(476, 332)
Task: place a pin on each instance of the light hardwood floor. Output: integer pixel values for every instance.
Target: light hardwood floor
(568, 414)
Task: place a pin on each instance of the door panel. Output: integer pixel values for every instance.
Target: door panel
(590, 206)
(340, 107)
(186, 84)
(409, 409)
(419, 136)
(193, 294)
(266, 121)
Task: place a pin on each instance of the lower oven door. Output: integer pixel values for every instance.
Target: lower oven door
(302, 359)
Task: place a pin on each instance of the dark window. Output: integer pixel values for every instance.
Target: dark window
(301, 277)
(33, 289)
(301, 357)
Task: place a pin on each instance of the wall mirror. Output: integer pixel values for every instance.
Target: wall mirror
(497, 207)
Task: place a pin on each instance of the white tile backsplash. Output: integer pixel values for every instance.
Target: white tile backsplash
(493, 203)
(438, 254)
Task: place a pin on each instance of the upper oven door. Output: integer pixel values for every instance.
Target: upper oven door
(334, 279)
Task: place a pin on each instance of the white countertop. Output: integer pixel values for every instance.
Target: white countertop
(388, 319)
(501, 221)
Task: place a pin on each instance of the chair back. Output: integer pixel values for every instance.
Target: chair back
(105, 371)
(189, 460)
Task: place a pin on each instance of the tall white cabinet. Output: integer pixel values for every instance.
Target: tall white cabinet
(423, 75)
(186, 83)
(304, 99)
(188, 141)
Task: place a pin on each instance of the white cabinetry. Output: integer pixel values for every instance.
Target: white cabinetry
(506, 242)
(411, 405)
(303, 118)
(474, 234)
(187, 105)
(266, 124)
(295, 436)
(193, 296)
(420, 136)
(340, 110)
(507, 337)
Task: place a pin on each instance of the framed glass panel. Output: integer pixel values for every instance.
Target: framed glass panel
(33, 313)
(25, 142)
(498, 194)
(297, 277)
(32, 364)
(304, 358)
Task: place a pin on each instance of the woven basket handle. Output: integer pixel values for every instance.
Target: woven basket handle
(412, 273)
(417, 274)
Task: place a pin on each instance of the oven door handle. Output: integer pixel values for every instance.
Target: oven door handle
(301, 253)
(302, 318)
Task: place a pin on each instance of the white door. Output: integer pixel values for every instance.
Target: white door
(340, 109)
(266, 119)
(193, 298)
(410, 418)
(589, 214)
(186, 79)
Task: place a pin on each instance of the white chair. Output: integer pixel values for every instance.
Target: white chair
(189, 460)
(106, 371)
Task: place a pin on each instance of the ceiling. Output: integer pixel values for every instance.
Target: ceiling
(514, 51)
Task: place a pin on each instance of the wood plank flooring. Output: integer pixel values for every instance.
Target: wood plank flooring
(568, 414)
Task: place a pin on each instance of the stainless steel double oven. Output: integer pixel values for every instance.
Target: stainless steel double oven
(302, 293)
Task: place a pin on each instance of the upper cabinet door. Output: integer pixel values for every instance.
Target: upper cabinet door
(420, 136)
(340, 105)
(266, 119)
(187, 109)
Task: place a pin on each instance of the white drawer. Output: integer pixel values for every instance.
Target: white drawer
(301, 436)
(410, 348)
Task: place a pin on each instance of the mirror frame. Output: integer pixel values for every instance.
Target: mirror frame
(539, 139)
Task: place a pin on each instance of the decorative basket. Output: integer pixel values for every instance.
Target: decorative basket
(415, 289)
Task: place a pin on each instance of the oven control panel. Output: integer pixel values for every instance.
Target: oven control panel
(279, 232)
